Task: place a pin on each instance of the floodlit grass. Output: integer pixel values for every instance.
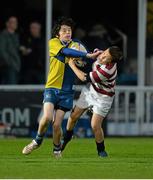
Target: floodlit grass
(128, 158)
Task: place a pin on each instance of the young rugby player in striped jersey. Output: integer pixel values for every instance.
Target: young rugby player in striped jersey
(58, 94)
(99, 95)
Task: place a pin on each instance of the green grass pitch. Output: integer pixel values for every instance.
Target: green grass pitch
(128, 158)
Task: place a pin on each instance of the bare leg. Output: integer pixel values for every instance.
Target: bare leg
(74, 116)
(46, 118)
(96, 123)
(43, 124)
(57, 131)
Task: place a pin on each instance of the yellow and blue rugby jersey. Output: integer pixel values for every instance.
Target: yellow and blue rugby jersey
(60, 75)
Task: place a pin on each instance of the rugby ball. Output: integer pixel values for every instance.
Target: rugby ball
(80, 47)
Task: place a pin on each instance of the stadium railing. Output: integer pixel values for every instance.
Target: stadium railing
(131, 113)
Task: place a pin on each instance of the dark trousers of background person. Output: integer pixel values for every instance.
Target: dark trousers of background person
(8, 75)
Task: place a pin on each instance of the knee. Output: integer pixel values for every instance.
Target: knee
(56, 127)
(95, 127)
(46, 119)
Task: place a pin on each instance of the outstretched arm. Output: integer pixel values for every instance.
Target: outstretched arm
(75, 53)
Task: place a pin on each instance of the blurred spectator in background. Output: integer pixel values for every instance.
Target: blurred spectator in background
(80, 34)
(98, 37)
(81, 132)
(10, 62)
(33, 65)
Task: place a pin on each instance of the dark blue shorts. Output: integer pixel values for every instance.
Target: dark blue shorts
(61, 99)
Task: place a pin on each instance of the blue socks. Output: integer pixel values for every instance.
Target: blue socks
(57, 147)
(39, 138)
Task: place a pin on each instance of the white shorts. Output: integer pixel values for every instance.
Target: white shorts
(101, 103)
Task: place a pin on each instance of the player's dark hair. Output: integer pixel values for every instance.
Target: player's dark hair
(62, 21)
(116, 53)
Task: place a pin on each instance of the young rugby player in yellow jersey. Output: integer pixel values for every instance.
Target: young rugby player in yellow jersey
(58, 94)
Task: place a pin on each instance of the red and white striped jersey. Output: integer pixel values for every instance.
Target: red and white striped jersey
(103, 78)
